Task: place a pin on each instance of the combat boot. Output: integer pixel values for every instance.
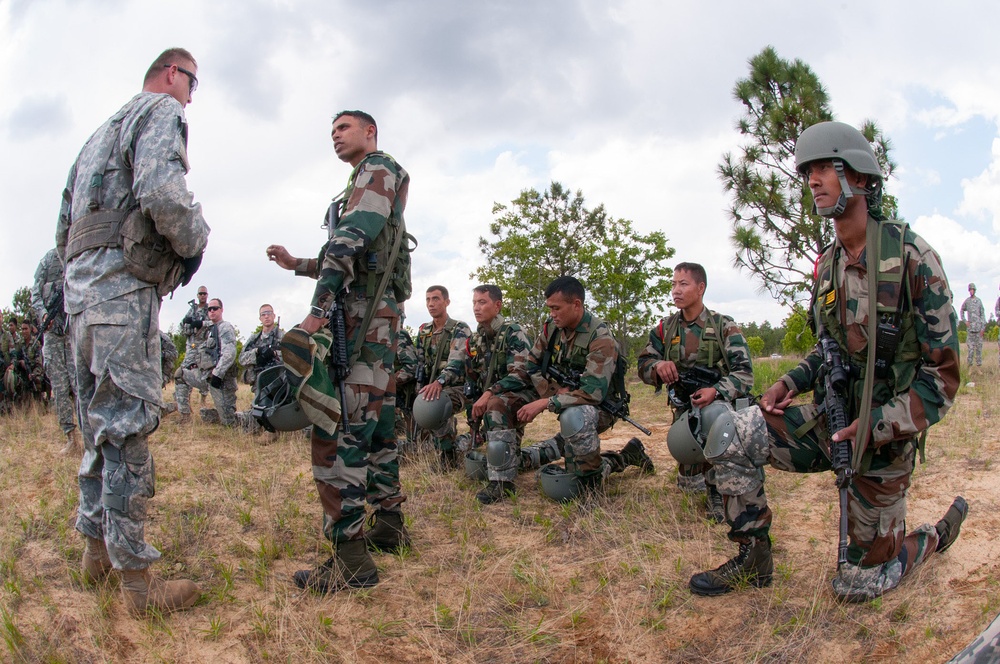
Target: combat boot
(495, 491)
(144, 592)
(715, 508)
(351, 566)
(168, 409)
(387, 532)
(751, 566)
(949, 527)
(210, 416)
(634, 454)
(96, 563)
(72, 444)
(185, 418)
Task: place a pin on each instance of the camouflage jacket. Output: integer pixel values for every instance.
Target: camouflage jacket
(29, 352)
(488, 355)
(435, 348)
(168, 356)
(6, 345)
(46, 289)
(588, 349)
(372, 212)
(698, 343)
(406, 360)
(924, 376)
(147, 166)
(259, 341)
(973, 313)
(195, 335)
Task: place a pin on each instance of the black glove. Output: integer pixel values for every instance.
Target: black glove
(265, 356)
(190, 266)
(191, 321)
(215, 381)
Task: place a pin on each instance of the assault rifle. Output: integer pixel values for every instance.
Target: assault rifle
(690, 381)
(615, 407)
(835, 380)
(338, 354)
(53, 308)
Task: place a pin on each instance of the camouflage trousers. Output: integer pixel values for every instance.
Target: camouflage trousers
(445, 435)
(582, 450)
(876, 500)
(58, 361)
(223, 398)
(503, 431)
(116, 352)
(359, 465)
(974, 340)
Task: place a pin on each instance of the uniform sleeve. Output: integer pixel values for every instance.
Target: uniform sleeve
(518, 348)
(739, 381)
(596, 378)
(524, 373)
(66, 213)
(227, 350)
(37, 304)
(964, 310)
(650, 355)
(933, 389)
(248, 356)
(458, 352)
(406, 358)
(367, 211)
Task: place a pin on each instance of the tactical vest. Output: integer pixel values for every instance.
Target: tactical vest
(894, 303)
(711, 351)
(439, 361)
(575, 358)
(489, 369)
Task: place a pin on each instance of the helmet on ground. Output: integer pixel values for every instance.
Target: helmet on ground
(558, 483)
(275, 406)
(843, 144)
(475, 465)
(683, 439)
(431, 415)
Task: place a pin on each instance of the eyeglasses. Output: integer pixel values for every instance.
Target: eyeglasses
(214, 308)
(192, 79)
(202, 294)
(267, 313)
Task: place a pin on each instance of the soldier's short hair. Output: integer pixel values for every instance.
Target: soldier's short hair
(167, 58)
(569, 287)
(444, 291)
(215, 299)
(265, 305)
(490, 289)
(696, 270)
(365, 118)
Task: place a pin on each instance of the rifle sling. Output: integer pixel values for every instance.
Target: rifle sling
(873, 253)
(374, 301)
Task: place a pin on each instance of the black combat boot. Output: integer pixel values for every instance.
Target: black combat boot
(387, 533)
(351, 566)
(447, 460)
(634, 454)
(715, 508)
(495, 491)
(751, 566)
(949, 527)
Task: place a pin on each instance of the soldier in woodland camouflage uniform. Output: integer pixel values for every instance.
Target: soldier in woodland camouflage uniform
(579, 342)
(27, 360)
(136, 158)
(6, 345)
(405, 367)
(435, 343)
(46, 292)
(696, 336)
(915, 390)
(212, 366)
(974, 315)
(485, 359)
(359, 461)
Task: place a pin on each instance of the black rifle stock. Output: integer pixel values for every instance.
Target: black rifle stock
(835, 404)
(53, 308)
(338, 326)
(690, 381)
(617, 409)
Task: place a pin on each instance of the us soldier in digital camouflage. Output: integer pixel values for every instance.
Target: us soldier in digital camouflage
(974, 315)
(695, 336)
(579, 342)
(220, 377)
(261, 351)
(195, 331)
(46, 293)
(435, 342)
(358, 462)
(137, 158)
(915, 389)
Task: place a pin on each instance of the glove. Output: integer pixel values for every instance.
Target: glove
(190, 266)
(265, 356)
(215, 381)
(191, 321)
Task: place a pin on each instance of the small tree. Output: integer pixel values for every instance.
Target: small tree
(756, 345)
(799, 339)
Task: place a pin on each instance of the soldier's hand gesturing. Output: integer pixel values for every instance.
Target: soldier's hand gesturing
(280, 255)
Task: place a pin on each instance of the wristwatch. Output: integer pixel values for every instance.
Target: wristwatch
(316, 312)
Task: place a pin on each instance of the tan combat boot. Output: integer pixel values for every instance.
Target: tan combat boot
(96, 563)
(144, 592)
(72, 444)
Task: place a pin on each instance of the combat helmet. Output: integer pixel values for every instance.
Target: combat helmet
(843, 144)
(558, 483)
(431, 415)
(686, 437)
(275, 406)
(475, 465)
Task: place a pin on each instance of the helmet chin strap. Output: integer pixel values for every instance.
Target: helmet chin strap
(846, 191)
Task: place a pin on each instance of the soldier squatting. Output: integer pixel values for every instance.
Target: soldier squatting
(358, 379)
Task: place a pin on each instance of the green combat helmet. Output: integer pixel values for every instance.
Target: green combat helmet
(842, 144)
(686, 437)
(275, 406)
(558, 483)
(475, 465)
(431, 415)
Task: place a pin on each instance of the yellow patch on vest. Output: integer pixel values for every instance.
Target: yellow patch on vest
(830, 298)
(676, 340)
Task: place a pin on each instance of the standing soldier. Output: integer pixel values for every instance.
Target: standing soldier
(364, 270)
(131, 169)
(974, 316)
(210, 366)
(435, 342)
(573, 343)
(194, 327)
(694, 336)
(892, 389)
(47, 301)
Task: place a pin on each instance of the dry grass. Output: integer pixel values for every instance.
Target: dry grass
(529, 580)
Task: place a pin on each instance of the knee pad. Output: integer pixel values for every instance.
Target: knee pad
(740, 436)
(501, 449)
(577, 419)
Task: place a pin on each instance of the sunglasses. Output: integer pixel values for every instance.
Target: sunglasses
(214, 308)
(267, 313)
(192, 79)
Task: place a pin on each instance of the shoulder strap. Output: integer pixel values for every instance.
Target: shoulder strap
(374, 301)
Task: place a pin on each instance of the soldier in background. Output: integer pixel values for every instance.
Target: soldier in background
(435, 342)
(974, 315)
(47, 301)
(211, 365)
(195, 330)
(405, 367)
(168, 358)
(114, 321)
(260, 352)
(695, 336)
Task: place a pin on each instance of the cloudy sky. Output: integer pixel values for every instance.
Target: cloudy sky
(629, 101)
